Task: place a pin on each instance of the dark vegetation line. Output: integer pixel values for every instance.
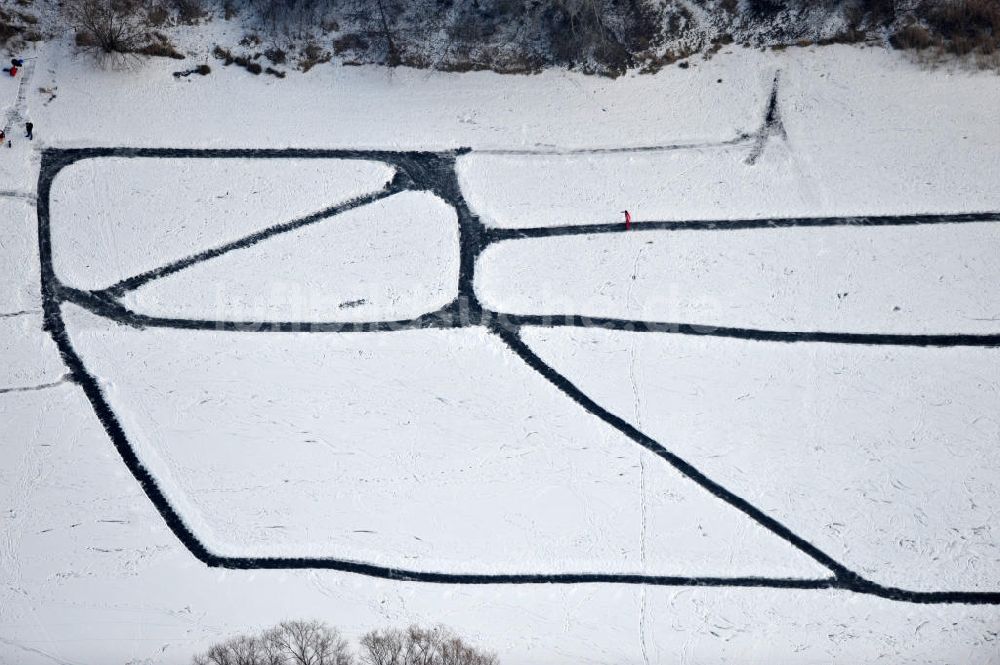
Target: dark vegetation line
(606, 37)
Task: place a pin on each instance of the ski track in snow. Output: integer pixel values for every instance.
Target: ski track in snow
(40, 386)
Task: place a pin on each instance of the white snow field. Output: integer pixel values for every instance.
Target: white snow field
(842, 443)
(393, 259)
(902, 279)
(395, 448)
(122, 217)
(798, 462)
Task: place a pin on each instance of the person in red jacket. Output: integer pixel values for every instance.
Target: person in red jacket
(12, 70)
(628, 220)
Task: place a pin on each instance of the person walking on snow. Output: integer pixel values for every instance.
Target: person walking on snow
(628, 220)
(16, 62)
(12, 70)
(29, 127)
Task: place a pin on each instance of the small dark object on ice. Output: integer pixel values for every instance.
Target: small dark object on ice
(203, 70)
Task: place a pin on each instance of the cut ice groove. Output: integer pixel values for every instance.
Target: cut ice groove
(435, 172)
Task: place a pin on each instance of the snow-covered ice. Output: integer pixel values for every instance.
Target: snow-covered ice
(451, 451)
(118, 217)
(900, 279)
(395, 448)
(393, 259)
(18, 256)
(884, 457)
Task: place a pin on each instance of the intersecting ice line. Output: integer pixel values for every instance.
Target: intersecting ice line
(844, 578)
(455, 315)
(739, 140)
(134, 282)
(467, 311)
(498, 234)
(435, 172)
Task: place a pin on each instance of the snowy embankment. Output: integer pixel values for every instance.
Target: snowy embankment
(442, 451)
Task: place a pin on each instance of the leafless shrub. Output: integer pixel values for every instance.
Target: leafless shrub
(249, 65)
(17, 28)
(911, 36)
(201, 70)
(8, 27)
(222, 53)
(276, 55)
(850, 35)
(350, 42)
(157, 15)
(115, 28)
(876, 12)
(289, 643)
(245, 61)
(160, 47)
(420, 646)
(190, 11)
(8, 32)
(312, 55)
(765, 9)
(309, 643)
(964, 26)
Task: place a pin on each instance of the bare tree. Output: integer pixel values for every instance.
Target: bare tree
(110, 27)
(421, 646)
(392, 52)
(383, 647)
(240, 650)
(289, 643)
(309, 643)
